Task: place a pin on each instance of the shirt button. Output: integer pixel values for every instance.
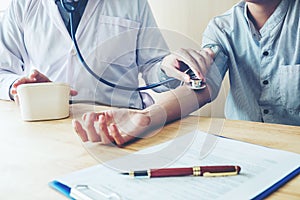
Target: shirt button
(266, 111)
(265, 53)
(265, 82)
(73, 52)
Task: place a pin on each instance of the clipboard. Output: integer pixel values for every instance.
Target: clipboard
(89, 190)
(279, 184)
(85, 192)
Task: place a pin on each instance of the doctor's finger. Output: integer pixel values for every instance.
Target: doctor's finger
(203, 61)
(80, 130)
(21, 81)
(38, 76)
(176, 73)
(207, 55)
(171, 66)
(185, 56)
(73, 92)
(210, 52)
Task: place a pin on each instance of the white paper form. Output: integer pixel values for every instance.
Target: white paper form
(261, 167)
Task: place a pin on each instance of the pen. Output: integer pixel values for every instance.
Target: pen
(208, 171)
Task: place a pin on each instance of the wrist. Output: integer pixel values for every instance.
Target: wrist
(157, 116)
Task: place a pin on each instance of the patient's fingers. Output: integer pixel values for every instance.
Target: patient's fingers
(110, 127)
(103, 131)
(109, 117)
(89, 121)
(80, 130)
(119, 139)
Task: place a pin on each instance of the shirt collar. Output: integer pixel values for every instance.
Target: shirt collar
(255, 33)
(273, 21)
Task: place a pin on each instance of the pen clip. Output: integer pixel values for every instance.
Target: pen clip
(213, 171)
(86, 192)
(214, 174)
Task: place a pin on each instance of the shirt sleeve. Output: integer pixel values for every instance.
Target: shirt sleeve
(213, 36)
(12, 49)
(151, 49)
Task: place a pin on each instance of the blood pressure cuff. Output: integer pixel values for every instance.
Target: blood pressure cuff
(217, 70)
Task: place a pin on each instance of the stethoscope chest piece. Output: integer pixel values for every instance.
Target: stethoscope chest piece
(197, 84)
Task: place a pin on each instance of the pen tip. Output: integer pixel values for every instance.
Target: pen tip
(124, 173)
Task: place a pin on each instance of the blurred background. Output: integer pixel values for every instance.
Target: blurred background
(189, 18)
(186, 19)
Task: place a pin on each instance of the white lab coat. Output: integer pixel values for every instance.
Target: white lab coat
(111, 36)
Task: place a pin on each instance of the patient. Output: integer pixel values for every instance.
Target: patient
(260, 47)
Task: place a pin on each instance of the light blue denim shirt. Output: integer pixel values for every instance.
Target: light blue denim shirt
(264, 65)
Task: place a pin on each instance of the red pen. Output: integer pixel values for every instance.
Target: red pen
(226, 170)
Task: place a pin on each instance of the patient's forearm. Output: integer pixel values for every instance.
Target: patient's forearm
(176, 104)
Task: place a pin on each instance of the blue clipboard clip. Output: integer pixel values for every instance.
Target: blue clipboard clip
(86, 192)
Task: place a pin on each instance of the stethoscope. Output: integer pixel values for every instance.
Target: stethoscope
(71, 7)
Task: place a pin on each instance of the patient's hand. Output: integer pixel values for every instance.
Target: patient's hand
(114, 126)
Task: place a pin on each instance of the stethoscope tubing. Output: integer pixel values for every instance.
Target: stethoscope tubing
(71, 9)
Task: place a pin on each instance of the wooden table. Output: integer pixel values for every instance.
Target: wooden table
(34, 153)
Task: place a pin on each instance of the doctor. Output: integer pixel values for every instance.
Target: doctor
(118, 39)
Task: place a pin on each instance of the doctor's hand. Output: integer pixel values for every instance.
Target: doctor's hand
(112, 127)
(198, 61)
(34, 77)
